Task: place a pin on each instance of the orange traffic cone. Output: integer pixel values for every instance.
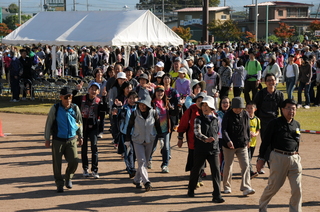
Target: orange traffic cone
(1, 133)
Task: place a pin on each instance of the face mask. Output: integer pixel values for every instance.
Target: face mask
(8, 55)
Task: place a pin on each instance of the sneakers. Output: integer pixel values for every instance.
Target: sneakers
(68, 184)
(132, 174)
(253, 175)
(299, 106)
(137, 185)
(95, 175)
(261, 172)
(226, 191)
(85, 173)
(100, 135)
(165, 169)
(248, 192)
(24, 99)
(147, 186)
(149, 165)
(14, 100)
(218, 200)
(306, 107)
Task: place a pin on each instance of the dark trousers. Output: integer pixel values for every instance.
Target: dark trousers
(129, 155)
(237, 91)
(250, 86)
(199, 159)
(27, 86)
(224, 92)
(303, 85)
(15, 88)
(102, 115)
(317, 100)
(73, 71)
(92, 135)
(69, 151)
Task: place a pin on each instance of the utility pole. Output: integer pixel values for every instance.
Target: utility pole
(267, 24)
(74, 5)
(163, 11)
(87, 5)
(256, 21)
(205, 15)
(19, 13)
(224, 3)
(65, 5)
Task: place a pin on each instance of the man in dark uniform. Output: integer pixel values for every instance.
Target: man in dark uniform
(282, 136)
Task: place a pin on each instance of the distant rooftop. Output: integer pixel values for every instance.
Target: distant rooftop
(280, 3)
(199, 9)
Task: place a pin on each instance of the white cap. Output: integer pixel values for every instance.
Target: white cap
(183, 70)
(210, 65)
(210, 101)
(295, 46)
(159, 74)
(121, 75)
(160, 64)
(246, 50)
(266, 45)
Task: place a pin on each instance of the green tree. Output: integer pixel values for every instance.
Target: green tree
(13, 20)
(13, 8)
(184, 33)
(225, 30)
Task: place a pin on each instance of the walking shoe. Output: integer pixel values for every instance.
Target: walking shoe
(226, 191)
(149, 165)
(137, 185)
(165, 169)
(24, 99)
(95, 175)
(100, 135)
(299, 106)
(68, 184)
(306, 107)
(147, 186)
(32, 98)
(253, 175)
(201, 183)
(190, 193)
(85, 173)
(60, 189)
(218, 200)
(248, 192)
(261, 172)
(132, 174)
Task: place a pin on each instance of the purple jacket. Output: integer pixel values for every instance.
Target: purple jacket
(183, 88)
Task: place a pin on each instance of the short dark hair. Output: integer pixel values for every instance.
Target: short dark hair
(269, 75)
(133, 93)
(251, 103)
(288, 101)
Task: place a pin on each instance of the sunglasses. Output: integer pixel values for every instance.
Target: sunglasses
(68, 96)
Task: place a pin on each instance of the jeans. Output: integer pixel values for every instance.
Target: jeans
(290, 81)
(129, 156)
(92, 135)
(302, 85)
(102, 115)
(165, 151)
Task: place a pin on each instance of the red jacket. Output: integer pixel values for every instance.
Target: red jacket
(187, 124)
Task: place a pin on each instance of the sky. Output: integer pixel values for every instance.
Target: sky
(33, 6)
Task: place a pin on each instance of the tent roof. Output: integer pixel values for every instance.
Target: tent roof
(116, 28)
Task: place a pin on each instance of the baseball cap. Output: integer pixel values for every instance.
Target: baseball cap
(121, 75)
(160, 64)
(96, 84)
(65, 91)
(190, 58)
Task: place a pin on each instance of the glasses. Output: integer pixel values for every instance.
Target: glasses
(290, 108)
(68, 96)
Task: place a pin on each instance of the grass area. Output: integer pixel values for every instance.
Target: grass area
(309, 119)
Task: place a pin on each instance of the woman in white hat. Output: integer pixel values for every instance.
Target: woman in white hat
(206, 147)
(196, 87)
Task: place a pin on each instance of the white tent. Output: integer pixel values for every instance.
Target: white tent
(114, 28)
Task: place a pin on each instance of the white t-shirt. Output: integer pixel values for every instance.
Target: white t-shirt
(290, 72)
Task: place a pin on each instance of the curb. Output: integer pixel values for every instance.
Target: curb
(310, 131)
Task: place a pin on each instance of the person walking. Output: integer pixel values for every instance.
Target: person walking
(64, 123)
(290, 76)
(283, 138)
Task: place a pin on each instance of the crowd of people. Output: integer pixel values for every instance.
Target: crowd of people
(183, 89)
